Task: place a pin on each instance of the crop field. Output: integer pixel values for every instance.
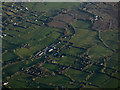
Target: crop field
(59, 45)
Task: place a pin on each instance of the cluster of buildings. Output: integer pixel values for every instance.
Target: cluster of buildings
(46, 50)
(38, 71)
(3, 35)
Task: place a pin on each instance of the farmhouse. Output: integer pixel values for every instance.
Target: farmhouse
(5, 83)
(53, 61)
(96, 18)
(26, 8)
(101, 64)
(41, 53)
(51, 50)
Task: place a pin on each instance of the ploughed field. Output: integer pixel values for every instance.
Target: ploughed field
(65, 45)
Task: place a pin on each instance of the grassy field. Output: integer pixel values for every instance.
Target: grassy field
(55, 80)
(67, 60)
(11, 69)
(77, 75)
(84, 38)
(79, 24)
(73, 51)
(30, 62)
(114, 61)
(20, 80)
(36, 45)
(94, 68)
(98, 79)
(50, 66)
(25, 37)
(9, 56)
(110, 38)
(111, 83)
(99, 51)
(55, 6)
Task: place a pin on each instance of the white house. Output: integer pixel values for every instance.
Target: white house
(50, 50)
(26, 8)
(5, 83)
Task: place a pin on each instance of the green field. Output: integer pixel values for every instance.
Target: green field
(79, 24)
(100, 79)
(55, 80)
(111, 83)
(9, 56)
(67, 60)
(94, 68)
(77, 75)
(114, 61)
(59, 45)
(111, 38)
(73, 51)
(20, 80)
(11, 69)
(50, 66)
(84, 38)
(99, 52)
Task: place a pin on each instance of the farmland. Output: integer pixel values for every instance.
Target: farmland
(59, 45)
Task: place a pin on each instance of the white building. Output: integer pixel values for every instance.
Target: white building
(4, 34)
(15, 23)
(1, 36)
(101, 64)
(26, 8)
(50, 50)
(5, 83)
(96, 18)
